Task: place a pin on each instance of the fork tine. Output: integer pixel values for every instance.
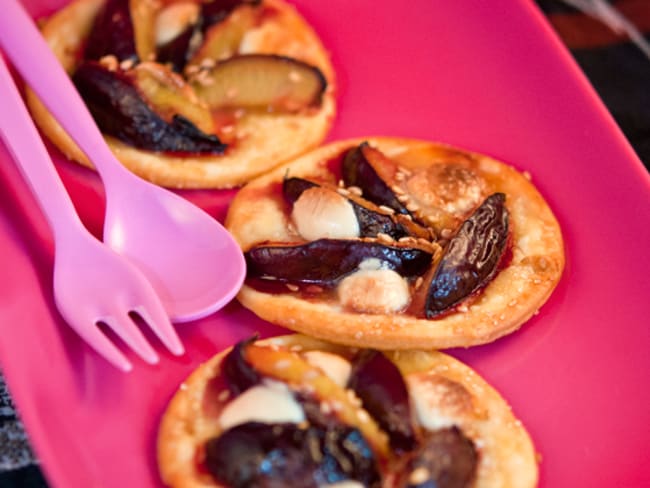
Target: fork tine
(163, 329)
(132, 336)
(103, 346)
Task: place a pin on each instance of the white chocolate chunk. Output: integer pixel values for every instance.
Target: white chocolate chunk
(270, 402)
(173, 20)
(337, 368)
(321, 213)
(438, 402)
(374, 291)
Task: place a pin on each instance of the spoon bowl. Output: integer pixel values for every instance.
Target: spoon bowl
(191, 260)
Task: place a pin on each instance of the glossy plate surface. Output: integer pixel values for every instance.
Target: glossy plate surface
(487, 76)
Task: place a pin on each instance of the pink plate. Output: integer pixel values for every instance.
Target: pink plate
(486, 76)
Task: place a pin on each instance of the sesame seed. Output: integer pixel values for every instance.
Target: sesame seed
(403, 198)
(412, 207)
(208, 63)
(292, 287)
(343, 191)
(385, 237)
(419, 476)
(355, 190)
(363, 416)
(397, 190)
(223, 396)
(294, 76)
(127, 64)
(387, 209)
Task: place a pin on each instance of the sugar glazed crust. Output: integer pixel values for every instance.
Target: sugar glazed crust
(506, 455)
(259, 140)
(259, 215)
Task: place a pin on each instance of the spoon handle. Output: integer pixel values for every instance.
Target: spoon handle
(39, 67)
(22, 139)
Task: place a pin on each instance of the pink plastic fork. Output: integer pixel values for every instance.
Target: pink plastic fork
(92, 283)
(193, 262)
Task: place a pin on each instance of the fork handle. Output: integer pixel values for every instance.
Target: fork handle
(22, 139)
(34, 60)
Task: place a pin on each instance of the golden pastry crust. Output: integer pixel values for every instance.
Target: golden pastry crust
(507, 457)
(263, 140)
(258, 214)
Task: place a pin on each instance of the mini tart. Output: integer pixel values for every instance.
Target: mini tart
(506, 455)
(262, 140)
(524, 281)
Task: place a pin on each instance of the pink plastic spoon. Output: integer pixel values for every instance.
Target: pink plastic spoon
(193, 263)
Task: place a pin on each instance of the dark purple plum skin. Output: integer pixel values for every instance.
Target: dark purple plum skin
(471, 258)
(121, 112)
(175, 52)
(357, 171)
(279, 455)
(449, 458)
(112, 33)
(383, 393)
(325, 262)
(215, 11)
(238, 373)
(370, 222)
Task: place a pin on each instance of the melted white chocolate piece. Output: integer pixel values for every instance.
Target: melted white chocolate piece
(321, 213)
(438, 402)
(173, 20)
(269, 402)
(374, 291)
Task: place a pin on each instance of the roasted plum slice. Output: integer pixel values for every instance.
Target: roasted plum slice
(112, 33)
(176, 28)
(361, 167)
(120, 111)
(379, 384)
(215, 11)
(445, 459)
(304, 378)
(325, 262)
(261, 81)
(239, 374)
(168, 94)
(471, 258)
(279, 455)
(372, 220)
(223, 39)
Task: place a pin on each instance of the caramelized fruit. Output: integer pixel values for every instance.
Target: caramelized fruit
(261, 81)
(471, 257)
(239, 374)
(120, 111)
(446, 459)
(222, 40)
(325, 262)
(380, 386)
(358, 171)
(371, 221)
(269, 455)
(112, 33)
